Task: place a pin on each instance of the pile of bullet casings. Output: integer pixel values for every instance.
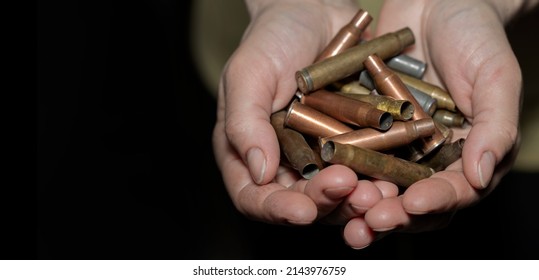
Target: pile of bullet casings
(364, 105)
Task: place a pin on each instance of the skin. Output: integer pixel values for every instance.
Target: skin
(468, 53)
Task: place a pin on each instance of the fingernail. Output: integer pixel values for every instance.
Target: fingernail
(257, 164)
(486, 168)
(335, 193)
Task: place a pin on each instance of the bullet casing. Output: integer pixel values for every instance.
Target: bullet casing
(295, 148)
(443, 98)
(348, 110)
(449, 118)
(400, 134)
(427, 102)
(312, 122)
(408, 65)
(375, 164)
(354, 87)
(350, 61)
(400, 110)
(446, 155)
(349, 35)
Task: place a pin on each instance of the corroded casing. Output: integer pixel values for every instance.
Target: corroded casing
(400, 134)
(348, 110)
(449, 118)
(408, 65)
(312, 122)
(348, 36)
(350, 61)
(400, 110)
(442, 158)
(388, 83)
(295, 148)
(443, 98)
(375, 164)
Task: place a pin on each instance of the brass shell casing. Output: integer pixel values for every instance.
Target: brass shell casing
(449, 118)
(348, 36)
(354, 87)
(388, 83)
(400, 110)
(400, 134)
(350, 61)
(375, 164)
(312, 122)
(348, 110)
(443, 98)
(294, 146)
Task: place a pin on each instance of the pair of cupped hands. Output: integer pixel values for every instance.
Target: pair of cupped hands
(467, 52)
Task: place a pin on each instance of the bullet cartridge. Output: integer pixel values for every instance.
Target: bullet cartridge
(350, 61)
(375, 164)
(449, 118)
(443, 157)
(349, 35)
(408, 65)
(348, 110)
(295, 148)
(427, 102)
(400, 134)
(388, 83)
(443, 98)
(312, 122)
(400, 110)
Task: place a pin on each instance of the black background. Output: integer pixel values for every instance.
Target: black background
(125, 168)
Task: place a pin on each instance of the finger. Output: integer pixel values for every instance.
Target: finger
(329, 187)
(389, 216)
(362, 198)
(357, 234)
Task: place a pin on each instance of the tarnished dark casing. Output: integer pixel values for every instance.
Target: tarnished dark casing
(375, 164)
(293, 145)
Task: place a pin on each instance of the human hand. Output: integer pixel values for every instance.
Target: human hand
(465, 45)
(258, 80)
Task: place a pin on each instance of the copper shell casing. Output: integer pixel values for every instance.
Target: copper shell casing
(375, 164)
(348, 110)
(350, 61)
(388, 83)
(400, 134)
(312, 122)
(400, 110)
(295, 148)
(348, 36)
